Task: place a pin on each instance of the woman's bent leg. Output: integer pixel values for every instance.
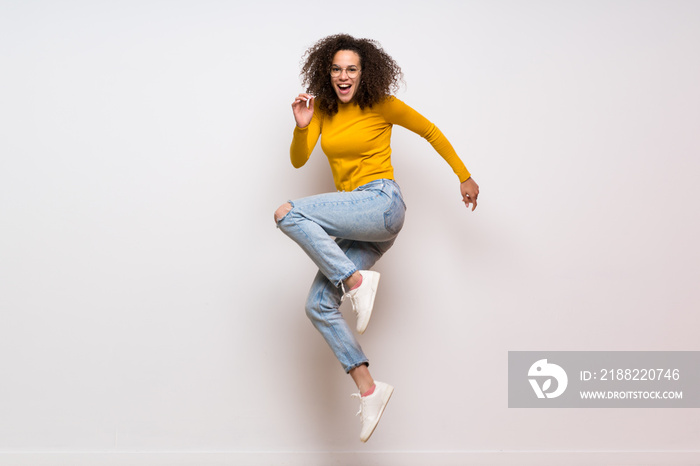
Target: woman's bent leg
(372, 213)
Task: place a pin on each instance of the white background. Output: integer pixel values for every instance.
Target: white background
(148, 303)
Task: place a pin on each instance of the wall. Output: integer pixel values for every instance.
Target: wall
(149, 305)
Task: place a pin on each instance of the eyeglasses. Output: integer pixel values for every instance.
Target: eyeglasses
(351, 71)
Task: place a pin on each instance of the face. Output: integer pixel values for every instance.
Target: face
(344, 85)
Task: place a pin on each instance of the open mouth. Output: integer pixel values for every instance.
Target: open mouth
(344, 88)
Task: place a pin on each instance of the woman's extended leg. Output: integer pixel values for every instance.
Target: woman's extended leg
(323, 303)
(322, 308)
(365, 223)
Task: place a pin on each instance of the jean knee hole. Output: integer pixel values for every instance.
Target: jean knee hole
(278, 220)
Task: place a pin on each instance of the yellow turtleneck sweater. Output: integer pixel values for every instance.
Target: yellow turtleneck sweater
(357, 142)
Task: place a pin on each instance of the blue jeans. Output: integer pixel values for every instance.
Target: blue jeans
(365, 223)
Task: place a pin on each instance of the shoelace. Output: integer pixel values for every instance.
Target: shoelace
(362, 405)
(348, 294)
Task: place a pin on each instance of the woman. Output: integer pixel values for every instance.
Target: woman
(352, 80)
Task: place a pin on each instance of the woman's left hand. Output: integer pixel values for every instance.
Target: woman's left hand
(470, 191)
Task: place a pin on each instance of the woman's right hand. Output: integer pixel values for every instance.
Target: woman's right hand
(302, 113)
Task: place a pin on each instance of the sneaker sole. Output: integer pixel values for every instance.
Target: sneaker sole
(387, 397)
(374, 280)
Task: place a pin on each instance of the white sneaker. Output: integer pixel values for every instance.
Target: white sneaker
(372, 408)
(362, 298)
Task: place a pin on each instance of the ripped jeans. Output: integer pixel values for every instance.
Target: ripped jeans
(365, 223)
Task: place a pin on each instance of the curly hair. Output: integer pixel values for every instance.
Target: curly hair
(381, 75)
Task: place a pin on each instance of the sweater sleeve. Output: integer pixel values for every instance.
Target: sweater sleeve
(304, 140)
(397, 112)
